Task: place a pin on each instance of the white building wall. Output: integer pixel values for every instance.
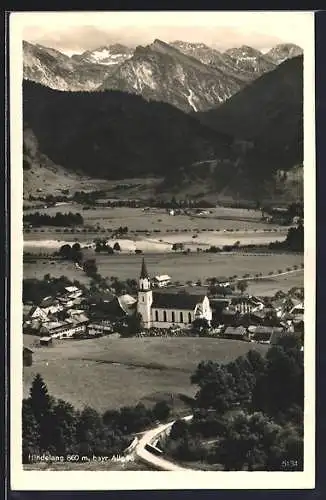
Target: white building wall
(166, 322)
(145, 300)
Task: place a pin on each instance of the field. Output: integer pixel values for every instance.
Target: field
(136, 219)
(109, 373)
(184, 268)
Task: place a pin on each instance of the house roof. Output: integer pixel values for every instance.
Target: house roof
(162, 277)
(53, 325)
(235, 330)
(80, 318)
(71, 289)
(47, 301)
(25, 348)
(181, 300)
(127, 303)
(268, 330)
(229, 312)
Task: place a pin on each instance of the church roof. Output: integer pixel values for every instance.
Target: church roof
(181, 300)
(143, 272)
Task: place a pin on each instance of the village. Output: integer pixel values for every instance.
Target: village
(160, 308)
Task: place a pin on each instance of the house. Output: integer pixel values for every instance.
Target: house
(37, 313)
(65, 329)
(266, 334)
(246, 305)
(235, 332)
(46, 302)
(72, 289)
(99, 328)
(162, 280)
(166, 308)
(230, 317)
(26, 311)
(27, 356)
(46, 341)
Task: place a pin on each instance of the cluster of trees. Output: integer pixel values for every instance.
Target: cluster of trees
(102, 246)
(59, 219)
(54, 427)
(294, 240)
(252, 407)
(216, 286)
(71, 252)
(75, 254)
(35, 290)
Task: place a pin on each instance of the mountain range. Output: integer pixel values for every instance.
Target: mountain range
(190, 76)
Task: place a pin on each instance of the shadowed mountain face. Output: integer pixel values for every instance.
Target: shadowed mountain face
(269, 113)
(115, 135)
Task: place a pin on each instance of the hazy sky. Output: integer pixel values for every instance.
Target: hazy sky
(75, 32)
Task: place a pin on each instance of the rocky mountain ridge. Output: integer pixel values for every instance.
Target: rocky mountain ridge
(190, 76)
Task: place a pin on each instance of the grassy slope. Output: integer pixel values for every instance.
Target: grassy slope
(83, 372)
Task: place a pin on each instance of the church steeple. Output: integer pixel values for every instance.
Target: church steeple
(144, 280)
(143, 272)
(145, 296)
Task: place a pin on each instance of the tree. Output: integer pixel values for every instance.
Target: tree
(76, 246)
(117, 247)
(90, 267)
(39, 398)
(242, 286)
(64, 427)
(132, 325)
(284, 377)
(247, 442)
(161, 411)
(216, 387)
(179, 429)
(30, 431)
(65, 251)
(200, 326)
(177, 246)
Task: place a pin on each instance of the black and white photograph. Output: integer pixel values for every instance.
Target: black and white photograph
(162, 287)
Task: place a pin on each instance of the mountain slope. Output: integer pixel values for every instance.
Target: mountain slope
(283, 51)
(251, 60)
(161, 72)
(58, 71)
(269, 113)
(111, 55)
(112, 135)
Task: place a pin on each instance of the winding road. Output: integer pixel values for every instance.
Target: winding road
(155, 461)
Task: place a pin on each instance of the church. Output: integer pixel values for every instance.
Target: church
(167, 308)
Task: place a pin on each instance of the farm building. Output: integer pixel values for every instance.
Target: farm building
(162, 280)
(235, 332)
(266, 334)
(46, 341)
(65, 329)
(162, 309)
(27, 356)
